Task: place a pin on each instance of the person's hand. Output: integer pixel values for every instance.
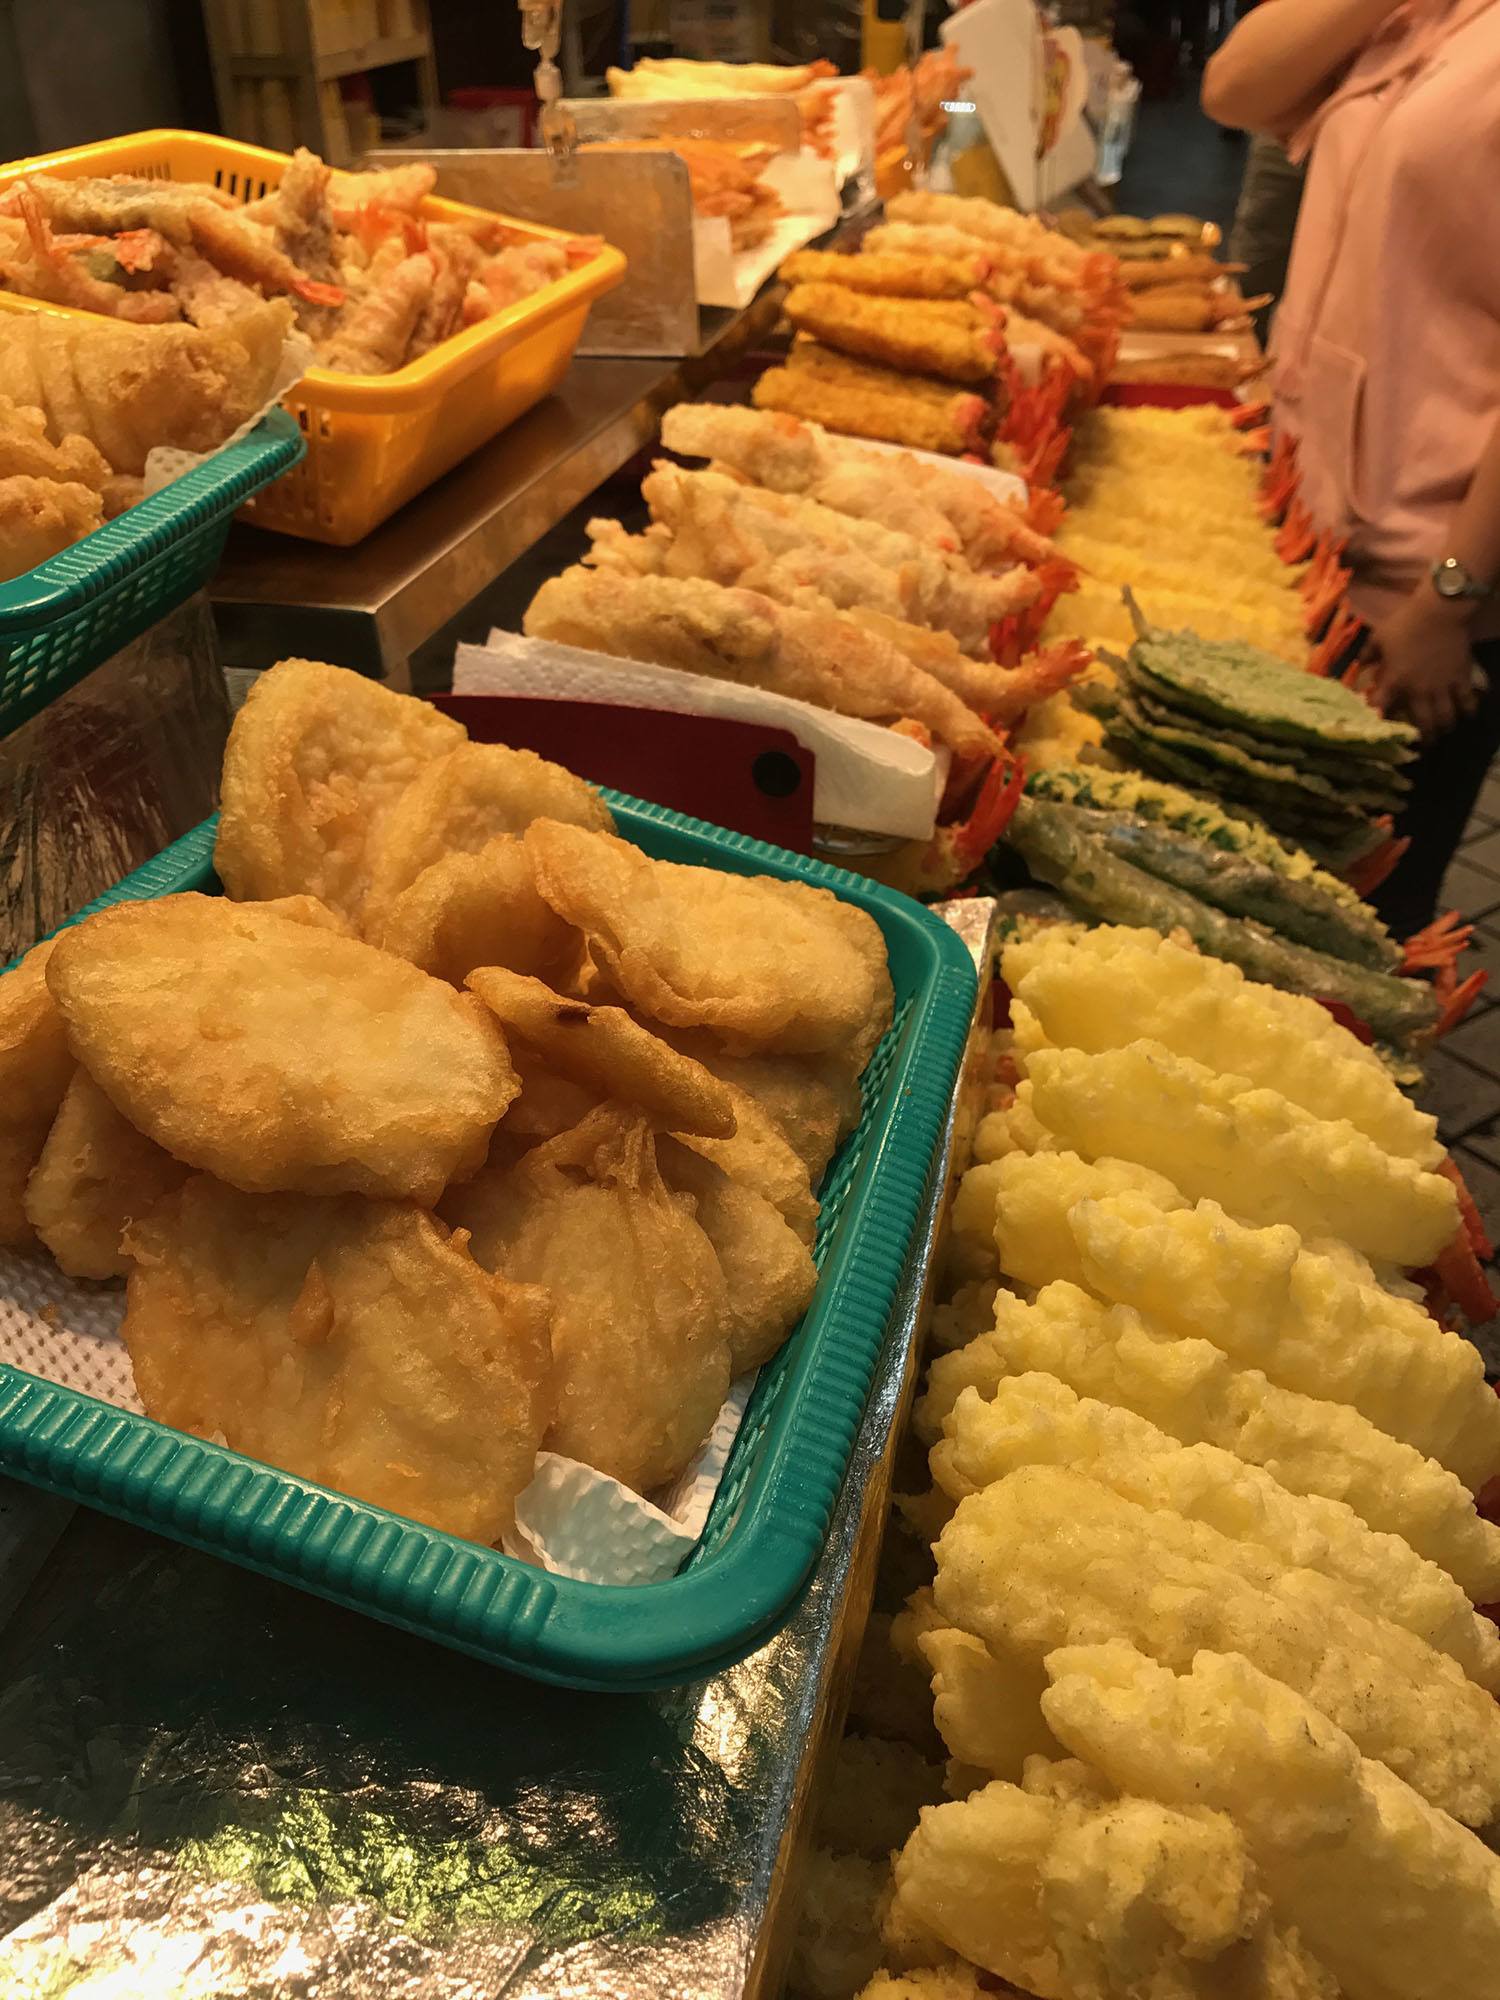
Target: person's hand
(1423, 666)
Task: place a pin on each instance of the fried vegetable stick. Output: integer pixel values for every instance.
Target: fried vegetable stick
(1047, 1557)
(1065, 1888)
(1189, 1390)
(892, 275)
(947, 338)
(1393, 1896)
(869, 402)
(739, 635)
(1249, 1147)
(1307, 1320)
(1038, 1420)
(1103, 988)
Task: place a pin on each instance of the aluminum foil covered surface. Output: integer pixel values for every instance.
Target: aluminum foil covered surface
(109, 773)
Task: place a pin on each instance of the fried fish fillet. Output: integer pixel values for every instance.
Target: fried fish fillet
(817, 656)
(608, 1053)
(639, 1307)
(469, 910)
(316, 760)
(95, 1175)
(352, 1342)
(35, 1066)
(766, 964)
(278, 1057)
(128, 388)
(463, 799)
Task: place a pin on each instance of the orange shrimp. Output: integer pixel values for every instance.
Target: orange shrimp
(240, 253)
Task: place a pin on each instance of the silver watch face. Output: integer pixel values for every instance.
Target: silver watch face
(1450, 579)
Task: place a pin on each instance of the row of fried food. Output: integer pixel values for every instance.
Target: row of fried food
(370, 278)
(1200, 1628)
(1168, 502)
(863, 582)
(958, 326)
(457, 1127)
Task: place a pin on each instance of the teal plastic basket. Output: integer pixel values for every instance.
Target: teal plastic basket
(771, 1512)
(59, 620)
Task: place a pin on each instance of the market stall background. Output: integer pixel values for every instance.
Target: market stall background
(212, 1779)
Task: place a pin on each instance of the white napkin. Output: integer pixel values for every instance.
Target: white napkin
(866, 777)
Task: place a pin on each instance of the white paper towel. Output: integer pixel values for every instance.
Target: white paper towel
(810, 197)
(866, 777)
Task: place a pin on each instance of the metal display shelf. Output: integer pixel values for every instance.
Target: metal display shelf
(372, 606)
(236, 1791)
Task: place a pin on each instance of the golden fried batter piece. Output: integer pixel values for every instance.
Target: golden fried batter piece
(769, 1274)
(35, 1066)
(760, 1157)
(814, 1101)
(316, 759)
(128, 388)
(40, 518)
(95, 1175)
(351, 1342)
(476, 909)
(639, 1308)
(766, 964)
(280, 1057)
(605, 1051)
(463, 799)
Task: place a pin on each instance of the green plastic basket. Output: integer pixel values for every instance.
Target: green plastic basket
(62, 618)
(772, 1509)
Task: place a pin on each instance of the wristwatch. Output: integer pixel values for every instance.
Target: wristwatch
(1453, 581)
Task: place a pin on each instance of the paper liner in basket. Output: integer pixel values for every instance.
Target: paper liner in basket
(164, 462)
(573, 1520)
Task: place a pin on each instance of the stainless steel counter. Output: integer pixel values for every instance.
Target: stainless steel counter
(373, 606)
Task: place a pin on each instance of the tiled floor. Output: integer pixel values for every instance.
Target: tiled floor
(1463, 1086)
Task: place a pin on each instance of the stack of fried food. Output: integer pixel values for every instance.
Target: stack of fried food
(83, 402)
(1306, 754)
(1168, 503)
(455, 1128)
(371, 281)
(814, 85)
(959, 327)
(725, 178)
(1200, 1620)
(858, 581)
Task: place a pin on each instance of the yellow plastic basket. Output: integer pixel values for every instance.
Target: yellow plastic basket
(372, 440)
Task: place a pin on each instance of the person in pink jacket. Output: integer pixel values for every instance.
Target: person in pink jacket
(1386, 356)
